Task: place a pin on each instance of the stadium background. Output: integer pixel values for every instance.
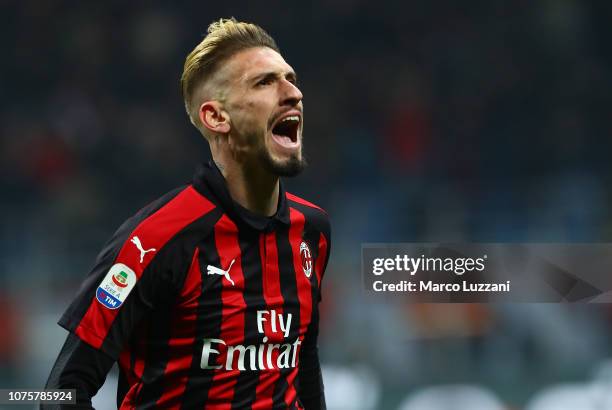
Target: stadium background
(425, 121)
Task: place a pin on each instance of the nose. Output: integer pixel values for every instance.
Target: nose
(291, 94)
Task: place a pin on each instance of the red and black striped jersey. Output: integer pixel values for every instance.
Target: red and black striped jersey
(205, 305)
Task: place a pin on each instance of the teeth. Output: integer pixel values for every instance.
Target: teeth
(291, 118)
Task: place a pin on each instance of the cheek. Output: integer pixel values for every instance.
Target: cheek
(250, 117)
(248, 130)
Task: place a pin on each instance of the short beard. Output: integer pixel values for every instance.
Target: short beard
(290, 168)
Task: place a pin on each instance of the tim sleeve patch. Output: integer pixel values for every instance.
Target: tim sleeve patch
(116, 286)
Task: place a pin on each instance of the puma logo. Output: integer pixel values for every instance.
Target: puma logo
(213, 270)
(138, 244)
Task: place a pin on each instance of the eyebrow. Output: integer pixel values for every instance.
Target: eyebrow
(273, 74)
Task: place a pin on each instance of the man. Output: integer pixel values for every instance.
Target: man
(208, 297)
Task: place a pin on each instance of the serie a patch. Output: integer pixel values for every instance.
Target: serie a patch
(116, 286)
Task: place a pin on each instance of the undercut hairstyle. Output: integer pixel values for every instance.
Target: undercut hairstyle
(225, 38)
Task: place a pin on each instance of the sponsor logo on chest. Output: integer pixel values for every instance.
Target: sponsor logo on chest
(262, 356)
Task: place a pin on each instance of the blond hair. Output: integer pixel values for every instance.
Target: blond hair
(225, 38)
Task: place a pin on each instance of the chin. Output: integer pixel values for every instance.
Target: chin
(288, 167)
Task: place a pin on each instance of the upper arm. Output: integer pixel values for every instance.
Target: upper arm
(140, 269)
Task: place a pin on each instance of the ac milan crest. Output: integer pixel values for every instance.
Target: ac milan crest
(306, 257)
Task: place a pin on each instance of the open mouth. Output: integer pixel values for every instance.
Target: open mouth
(285, 132)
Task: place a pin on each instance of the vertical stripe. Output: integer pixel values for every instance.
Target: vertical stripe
(208, 325)
(272, 282)
(156, 351)
(289, 291)
(303, 282)
(131, 363)
(274, 301)
(137, 368)
(154, 232)
(233, 307)
(248, 381)
(304, 289)
(182, 339)
(317, 240)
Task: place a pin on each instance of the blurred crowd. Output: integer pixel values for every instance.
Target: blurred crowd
(482, 121)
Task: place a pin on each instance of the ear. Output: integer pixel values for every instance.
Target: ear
(214, 117)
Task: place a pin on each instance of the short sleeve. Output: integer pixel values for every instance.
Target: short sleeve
(139, 269)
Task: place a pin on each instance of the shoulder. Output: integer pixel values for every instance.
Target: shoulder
(313, 213)
(170, 214)
(170, 217)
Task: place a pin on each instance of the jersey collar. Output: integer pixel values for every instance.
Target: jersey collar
(209, 181)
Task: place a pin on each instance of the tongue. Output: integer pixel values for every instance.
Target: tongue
(283, 139)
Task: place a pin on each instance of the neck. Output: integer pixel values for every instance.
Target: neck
(251, 186)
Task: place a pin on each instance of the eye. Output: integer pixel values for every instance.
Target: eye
(264, 81)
